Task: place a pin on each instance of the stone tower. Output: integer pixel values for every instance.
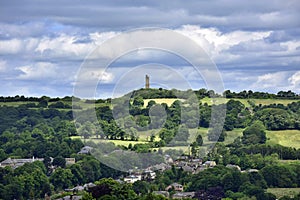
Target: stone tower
(147, 84)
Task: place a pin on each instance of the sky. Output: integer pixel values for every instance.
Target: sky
(255, 45)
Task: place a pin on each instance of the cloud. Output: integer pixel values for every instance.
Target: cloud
(271, 79)
(12, 46)
(129, 14)
(217, 43)
(3, 65)
(277, 81)
(255, 45)
(38, 71)
(294, 80)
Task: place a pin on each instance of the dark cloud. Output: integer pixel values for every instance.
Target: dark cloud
(120, 15)
(251, 42)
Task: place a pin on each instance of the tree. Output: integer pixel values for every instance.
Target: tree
(151, 103)
(166, 135)
(279, 176)
(61, 178)
(43, 103)
(59, 162)
(182, 134)
(138, 101)
(216, 134)
(107, 188)
(199, 140)
(254, 134)
(90, 168)
(141, 187)
(194, 146)
(152, 137)
(77, 171)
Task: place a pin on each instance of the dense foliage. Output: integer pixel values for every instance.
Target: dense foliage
(42, 128)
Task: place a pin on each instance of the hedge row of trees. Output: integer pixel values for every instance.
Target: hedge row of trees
(152, 93)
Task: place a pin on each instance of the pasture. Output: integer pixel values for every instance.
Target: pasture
(280, 192)
(289, 138)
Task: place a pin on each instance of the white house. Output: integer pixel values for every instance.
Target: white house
(132, 178)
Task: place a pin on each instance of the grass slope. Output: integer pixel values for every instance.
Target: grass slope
(280, 192)
(211, 101)
(289, 138)
(160, 101)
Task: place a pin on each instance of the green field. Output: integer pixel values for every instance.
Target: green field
(232, 135)
(211, 101)
(168, 101)
(272, 101)
(160, 101)
(289, 138)
(116, 142)
(280, 192)
(15, 104)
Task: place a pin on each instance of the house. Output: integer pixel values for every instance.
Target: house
(70, 161)
(180, 164)
(183, 158)
(188, 169)
(210, 164)
(85, 150)
(195, 163)
(200, 169)
(132, 178)
(160, 167)
(75, 189)
(88, 186)
(148, 174)
(183, 195)
(168, 159)
(14, 163)
(176, 186)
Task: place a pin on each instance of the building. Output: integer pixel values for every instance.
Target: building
(168, 159)
(14, 163)
(70, 161)
(210, 164)
(183, 195)
(148, 175)
(187, 168)
(196, 162)
(147, 82)
(85, 150)
(160, 167)
(132, 178)
(176, 186)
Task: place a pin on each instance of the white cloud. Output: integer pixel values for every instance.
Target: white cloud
(295, 80)
(270, 80)
(92, 76)
(277, 81)
(38, 71)
(63, 46)
(99, 37)
(215, 42)
(12, 46)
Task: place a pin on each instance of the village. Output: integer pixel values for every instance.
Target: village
(186, 163)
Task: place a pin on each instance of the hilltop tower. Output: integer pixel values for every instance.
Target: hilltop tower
(147, 82)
